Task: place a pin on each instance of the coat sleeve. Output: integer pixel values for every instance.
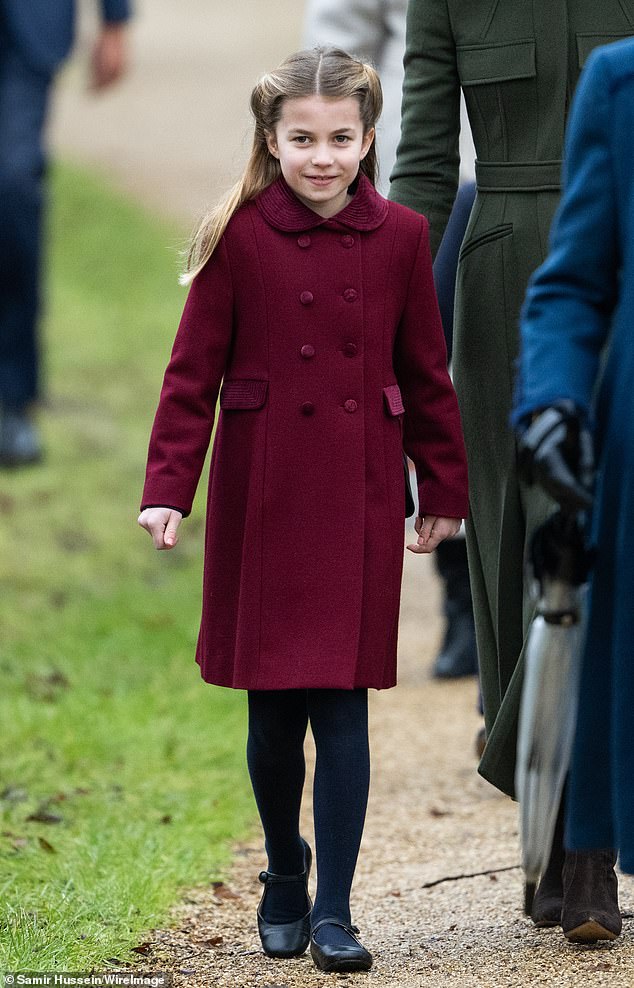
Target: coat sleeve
(571, 297)
(446, 262)
(185, 415)
(432, 435)
(425, 176)
(113, 11)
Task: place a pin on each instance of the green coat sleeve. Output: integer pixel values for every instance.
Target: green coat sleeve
(425, 176)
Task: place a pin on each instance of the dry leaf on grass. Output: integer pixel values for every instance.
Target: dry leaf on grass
(223, 891)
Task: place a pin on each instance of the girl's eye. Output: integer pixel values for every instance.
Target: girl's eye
(342, 138)
(300, 139)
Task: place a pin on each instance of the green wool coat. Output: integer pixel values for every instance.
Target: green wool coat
(517, 64)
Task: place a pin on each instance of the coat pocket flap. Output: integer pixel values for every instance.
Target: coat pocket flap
(393, 399)
(243, 394)
(479, 64)
(586, 43)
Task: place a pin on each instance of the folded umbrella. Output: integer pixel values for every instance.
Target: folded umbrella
(561, 563)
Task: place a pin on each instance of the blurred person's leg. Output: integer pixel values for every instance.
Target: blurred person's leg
(458, 654)
(23, 103)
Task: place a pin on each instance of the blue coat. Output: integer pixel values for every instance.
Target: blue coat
(578, 343)
(43, 30)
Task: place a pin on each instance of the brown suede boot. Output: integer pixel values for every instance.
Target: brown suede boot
(549, 897)
(591, 903)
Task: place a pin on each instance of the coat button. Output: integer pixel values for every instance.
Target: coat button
(304, 240)
(347, 241)
(350, 349)
(306, 298)
(308, 408)
(350, 294)
(350, 405)
(307, 351)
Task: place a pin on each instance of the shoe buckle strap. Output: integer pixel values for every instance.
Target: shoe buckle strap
(331, 921)
(270, 878)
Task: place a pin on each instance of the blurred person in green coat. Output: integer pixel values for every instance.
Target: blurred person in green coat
(517, 64)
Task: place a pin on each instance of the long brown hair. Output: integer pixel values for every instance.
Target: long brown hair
(328, 72)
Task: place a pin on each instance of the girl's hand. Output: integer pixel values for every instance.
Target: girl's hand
(432, 529)
(162, 524)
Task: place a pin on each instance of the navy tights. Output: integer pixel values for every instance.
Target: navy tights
(275, 755)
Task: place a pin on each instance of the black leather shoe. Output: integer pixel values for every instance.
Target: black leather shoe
(19, 439)
(327, 958)
(286, 939)
(591, 897)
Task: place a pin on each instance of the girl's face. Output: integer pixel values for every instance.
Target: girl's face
(319, 143)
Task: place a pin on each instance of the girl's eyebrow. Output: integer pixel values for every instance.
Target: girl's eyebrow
(305, 130)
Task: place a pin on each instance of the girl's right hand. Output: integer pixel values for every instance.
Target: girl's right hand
(432, 530)
(162, 524)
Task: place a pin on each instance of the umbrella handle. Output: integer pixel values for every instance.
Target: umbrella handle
(529, 894)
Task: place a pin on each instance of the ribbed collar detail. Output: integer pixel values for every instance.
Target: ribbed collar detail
(283, 210)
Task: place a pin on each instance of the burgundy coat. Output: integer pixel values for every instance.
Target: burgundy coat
(328, 337)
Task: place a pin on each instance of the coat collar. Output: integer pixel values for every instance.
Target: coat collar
(283, 210)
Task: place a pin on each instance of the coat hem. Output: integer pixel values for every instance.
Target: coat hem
(308, 684)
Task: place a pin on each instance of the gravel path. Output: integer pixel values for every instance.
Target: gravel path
(432, 823)
(438, 890)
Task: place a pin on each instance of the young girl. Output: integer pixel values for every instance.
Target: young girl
(312, 302)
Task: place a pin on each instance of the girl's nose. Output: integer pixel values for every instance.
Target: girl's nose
(322, 156)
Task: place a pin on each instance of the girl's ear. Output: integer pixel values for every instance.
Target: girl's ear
(271, 143)
(367, 141)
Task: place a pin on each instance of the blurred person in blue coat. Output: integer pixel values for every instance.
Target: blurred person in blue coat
(35, 37)
(575, 389)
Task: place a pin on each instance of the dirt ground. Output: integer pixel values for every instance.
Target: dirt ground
(425, 908)
(438, 892)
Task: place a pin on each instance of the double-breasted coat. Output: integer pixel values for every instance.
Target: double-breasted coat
(578, 344)
(328, 337)
(518, 64)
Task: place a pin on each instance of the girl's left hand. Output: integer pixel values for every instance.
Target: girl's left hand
(432, 529)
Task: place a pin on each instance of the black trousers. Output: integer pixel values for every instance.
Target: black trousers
(24, 95)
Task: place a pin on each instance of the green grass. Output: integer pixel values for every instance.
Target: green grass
(105, 723)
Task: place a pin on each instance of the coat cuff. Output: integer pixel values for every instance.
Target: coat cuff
(172, 507)
(434, 500)
(116, 11)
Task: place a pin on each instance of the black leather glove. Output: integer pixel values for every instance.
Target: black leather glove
(556, 452)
